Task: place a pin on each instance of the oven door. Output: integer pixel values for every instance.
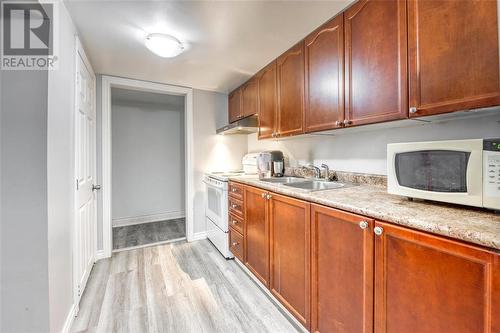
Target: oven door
(448, 171)
(216, 205)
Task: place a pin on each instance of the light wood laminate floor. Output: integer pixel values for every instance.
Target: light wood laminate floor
(148, 233)
(178, 287)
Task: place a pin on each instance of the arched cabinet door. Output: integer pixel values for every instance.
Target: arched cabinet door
(376, 76)
(291, 91)
(324, 76)
(268, 103)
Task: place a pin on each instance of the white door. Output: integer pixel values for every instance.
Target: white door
(85, 170)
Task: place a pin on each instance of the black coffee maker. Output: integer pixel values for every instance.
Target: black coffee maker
(271, 164)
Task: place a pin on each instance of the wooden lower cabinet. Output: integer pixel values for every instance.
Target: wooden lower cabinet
(257, 233)
(290, 254)
(342, 271)
(426, 283)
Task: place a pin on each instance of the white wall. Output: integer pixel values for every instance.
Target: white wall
(212, 152)
(60, 166)
(147, 160)
(366, 151)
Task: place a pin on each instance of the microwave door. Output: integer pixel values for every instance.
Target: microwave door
(433, 170)
(436, 171)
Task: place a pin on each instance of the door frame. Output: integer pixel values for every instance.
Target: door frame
(109, 82)
(80, 53)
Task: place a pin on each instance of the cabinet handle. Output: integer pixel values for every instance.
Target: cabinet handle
(363, 224)
(234, 206)
(233, 189)
(269, 196)
(235, 222)
(263, 195)
(347, 122)
(413, 109)
(378, 231)
(338, 123)
(235, 243)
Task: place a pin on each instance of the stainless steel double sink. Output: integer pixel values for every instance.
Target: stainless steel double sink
(305, 184)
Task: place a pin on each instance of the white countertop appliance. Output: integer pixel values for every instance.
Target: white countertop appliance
(216, 203)
(465, 172)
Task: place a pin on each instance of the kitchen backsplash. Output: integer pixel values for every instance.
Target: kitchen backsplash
(341, 176)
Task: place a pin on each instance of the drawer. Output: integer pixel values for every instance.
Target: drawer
(236, 206)
(236, 243)
(236, 222)
(236, 190)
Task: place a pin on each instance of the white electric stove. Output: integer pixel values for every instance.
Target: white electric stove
(216, 203)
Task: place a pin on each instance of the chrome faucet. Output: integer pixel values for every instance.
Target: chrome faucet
(317, 171)
(327, 171)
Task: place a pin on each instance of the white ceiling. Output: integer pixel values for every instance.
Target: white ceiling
(227, 41)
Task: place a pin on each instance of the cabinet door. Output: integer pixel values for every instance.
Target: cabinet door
(257, 233)
(425, 283)
(453, 55)
(324, 68)
(234, 105)
(267, 101)
(342, 271)
(376, 57)
(291, 91)
(290, 254)
(249, 100)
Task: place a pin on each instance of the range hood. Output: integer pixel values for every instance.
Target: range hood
(243, 126)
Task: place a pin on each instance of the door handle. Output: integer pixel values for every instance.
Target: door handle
(96, 187)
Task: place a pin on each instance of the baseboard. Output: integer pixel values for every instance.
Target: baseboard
(198, 236)
(100, 255)
(124, 221)
(69, 320)
(175, 240)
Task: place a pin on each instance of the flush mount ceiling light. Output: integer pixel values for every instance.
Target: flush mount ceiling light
(165, 46)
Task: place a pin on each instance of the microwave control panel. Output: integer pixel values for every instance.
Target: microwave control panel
(491, 174)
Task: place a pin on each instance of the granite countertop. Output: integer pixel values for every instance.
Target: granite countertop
(469, 224)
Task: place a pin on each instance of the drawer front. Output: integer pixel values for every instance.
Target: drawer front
(236, 206)
(236, 222)
(236, 243)
(236, 190)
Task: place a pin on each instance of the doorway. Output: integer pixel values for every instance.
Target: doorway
(146, 164)
(147, 168)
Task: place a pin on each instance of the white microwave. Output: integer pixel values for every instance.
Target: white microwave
(465, 172)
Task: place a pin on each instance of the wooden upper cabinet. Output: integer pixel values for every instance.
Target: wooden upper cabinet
(342, 271)
(234, 105)
(426, 283)
(290, 255)
(453, 55)
(375, 61)
(249, 98)
(324, 76)
(257, 233)
(268, 102)
(290, 67)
